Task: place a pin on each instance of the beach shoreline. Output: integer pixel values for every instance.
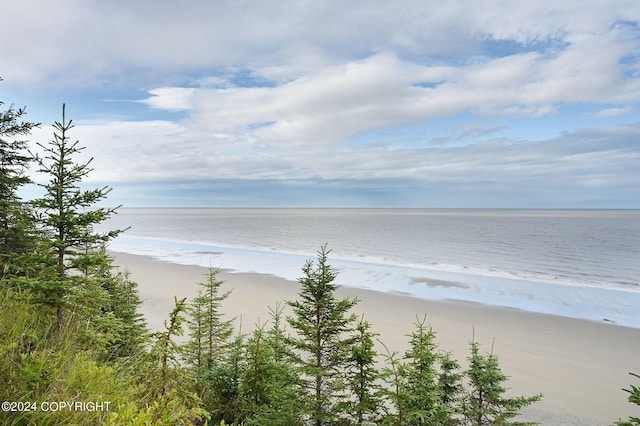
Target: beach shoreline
(580, 366)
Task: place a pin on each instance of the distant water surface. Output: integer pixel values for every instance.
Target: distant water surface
(579, 263)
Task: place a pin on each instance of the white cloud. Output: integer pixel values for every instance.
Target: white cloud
(275, 90)
(611, 112)
(340, 101)
(93, 41)
(170, 98)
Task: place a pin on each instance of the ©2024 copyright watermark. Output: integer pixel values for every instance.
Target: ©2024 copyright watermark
(55, 406)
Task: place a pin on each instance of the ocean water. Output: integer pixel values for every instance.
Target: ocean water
(575, 263)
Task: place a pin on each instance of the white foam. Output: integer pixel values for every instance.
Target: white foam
(469, 284)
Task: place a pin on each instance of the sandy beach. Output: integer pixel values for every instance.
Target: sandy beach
(580, 366)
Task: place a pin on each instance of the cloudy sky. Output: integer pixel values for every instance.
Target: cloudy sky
(463, 103)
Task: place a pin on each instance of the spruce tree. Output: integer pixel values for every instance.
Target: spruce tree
(362, 377)
(324, 334)
(268, 394)
(391, 373)
(14, 162)
(450, 389)
(223, 378)
(269, 384)
(123, 301)
(209, 333)
(418, 381)
(166, 387)
(67, 214)
(485, 403)
(419, 374)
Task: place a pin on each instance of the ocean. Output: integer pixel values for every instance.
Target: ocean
(575, 263)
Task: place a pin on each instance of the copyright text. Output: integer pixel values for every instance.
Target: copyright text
(55, 406)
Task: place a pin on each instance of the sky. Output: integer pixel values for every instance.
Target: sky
(464, 103)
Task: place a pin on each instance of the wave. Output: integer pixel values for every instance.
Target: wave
(434, 281)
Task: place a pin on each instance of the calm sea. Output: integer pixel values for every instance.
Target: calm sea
(576, 263)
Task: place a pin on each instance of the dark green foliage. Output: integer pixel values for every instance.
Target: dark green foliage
(634, 398)
(215, 361)
(450, 390)
(67, 215)
(15, 224)
(208, 332)
(166, 384)
(323, 326)
(394, 392)
(268, 386)
(363, 378)
(418, 373)
(424, 385)
(165, 352)
(485, 403)
(222, 378)
(127, 326)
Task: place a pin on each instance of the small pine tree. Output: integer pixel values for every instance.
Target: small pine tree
(123, 303)
(485, 404)
(277, 337)
(223, 379)
(323, 326)
(450, 387)
(419, 374)
(391, 373)
(166, 386)
(417, 382)
(362, 377)
(208, 332)
(271, 360)
(256, 386)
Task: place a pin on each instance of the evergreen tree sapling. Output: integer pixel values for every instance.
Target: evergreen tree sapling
(324, 335)
(166, 385)
(363, 377)
(223, 382)
(450, 389)
(423, 382)
(394, 392)
(485, 403)
(268, 386)
(122, 306)
(209, 333)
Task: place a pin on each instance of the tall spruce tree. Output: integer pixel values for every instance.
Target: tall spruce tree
(324, 334)
(68, 214)
(14, 161)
